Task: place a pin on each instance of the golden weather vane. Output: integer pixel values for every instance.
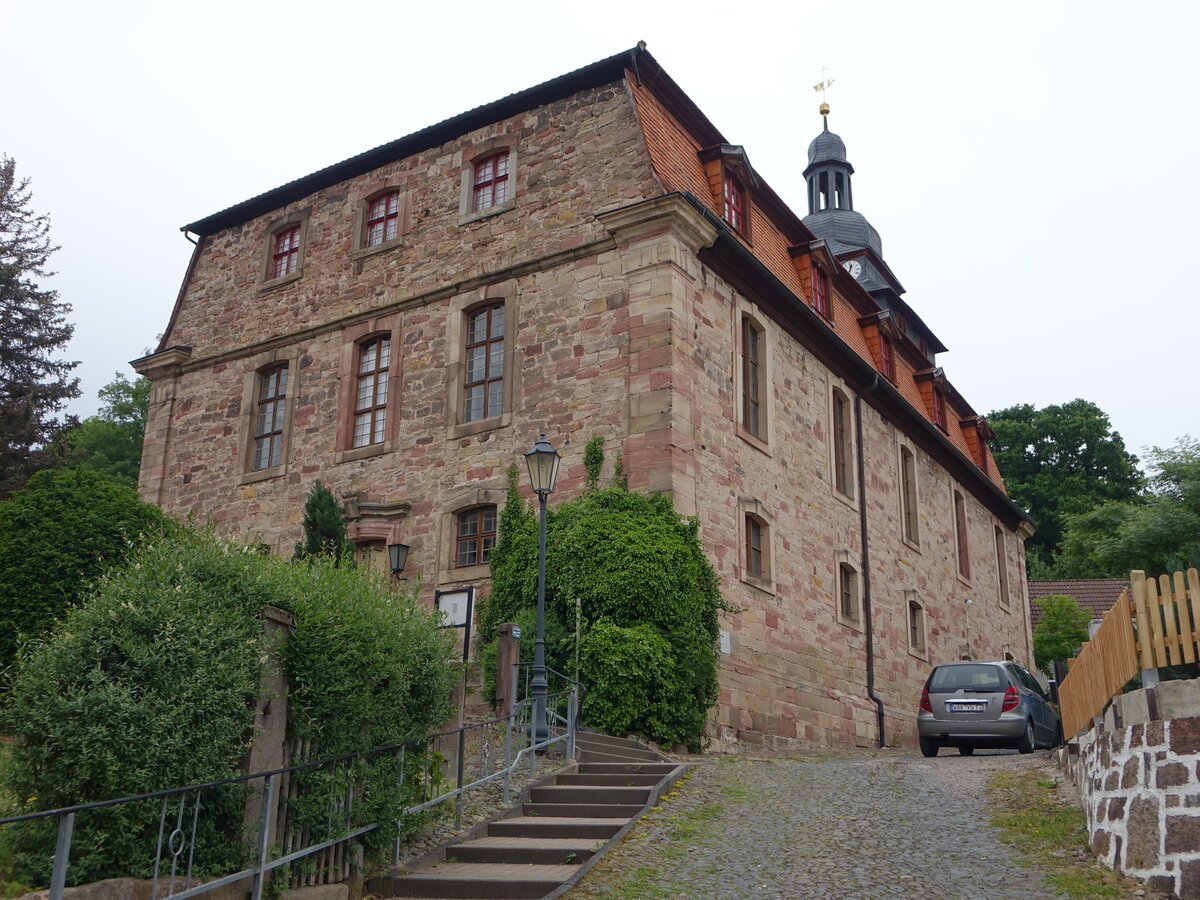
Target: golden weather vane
(823, 86)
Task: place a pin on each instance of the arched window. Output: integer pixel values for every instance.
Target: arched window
(483, 383)
(371, 391)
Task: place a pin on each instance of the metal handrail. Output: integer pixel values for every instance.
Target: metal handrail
(514, 723)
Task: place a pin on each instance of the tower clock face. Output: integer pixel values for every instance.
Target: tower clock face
(854, 267)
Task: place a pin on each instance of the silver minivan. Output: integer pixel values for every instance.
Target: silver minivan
(985, 704)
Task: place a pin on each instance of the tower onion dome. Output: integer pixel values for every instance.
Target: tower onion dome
(831, 215)
(827, 146)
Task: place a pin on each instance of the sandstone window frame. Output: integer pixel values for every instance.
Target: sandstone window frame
(747, 319)
(464, 500)
(361, 245)
(458, 315)
(962, 539)
(843, 473)
(354, 338)
(916, 625)
(252, 383)
(296, 222)
(1002, 581)
(474, 156)
(754, 533)
(909, 493)
(847, 590)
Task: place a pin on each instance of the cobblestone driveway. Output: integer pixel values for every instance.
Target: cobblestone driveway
(891, 824)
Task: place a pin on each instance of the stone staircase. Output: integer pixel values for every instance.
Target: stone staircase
(551, 838)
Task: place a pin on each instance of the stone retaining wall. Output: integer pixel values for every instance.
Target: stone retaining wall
(1138, 774)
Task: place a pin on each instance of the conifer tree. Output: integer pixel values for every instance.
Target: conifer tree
(324, 527)
(33, 327)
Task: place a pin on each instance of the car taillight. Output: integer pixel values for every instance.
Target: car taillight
(1011, 699)
(926, 706)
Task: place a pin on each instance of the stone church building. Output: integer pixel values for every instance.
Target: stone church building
(592, 257)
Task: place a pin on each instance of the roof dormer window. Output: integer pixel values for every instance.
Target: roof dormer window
(735, 203)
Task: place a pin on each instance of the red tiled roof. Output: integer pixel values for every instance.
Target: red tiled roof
(1094, 594)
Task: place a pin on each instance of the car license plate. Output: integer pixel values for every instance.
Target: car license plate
(966, 705)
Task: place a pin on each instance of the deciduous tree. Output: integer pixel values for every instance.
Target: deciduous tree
(111, 441)
(1160, 534)
(1061, 630)
(1058, 461)
(34, 384)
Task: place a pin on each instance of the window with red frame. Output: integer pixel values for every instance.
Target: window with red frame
(887, 358)
(286, 258)
(939, 409)
(371, 395)
(735, 203)
(383, 219)
(476, 536)
(491, 182)
(820, 288)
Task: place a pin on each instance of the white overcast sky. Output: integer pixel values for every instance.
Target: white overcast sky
(1031, 167)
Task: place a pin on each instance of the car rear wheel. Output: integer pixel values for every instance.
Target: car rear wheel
(965, 751)
(929, 747)
(1027, 742)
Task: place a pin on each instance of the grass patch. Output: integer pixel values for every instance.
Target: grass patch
(1052, 835)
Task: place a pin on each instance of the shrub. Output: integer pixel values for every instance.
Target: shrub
(56, 534)
(152, 684)
(632, 563)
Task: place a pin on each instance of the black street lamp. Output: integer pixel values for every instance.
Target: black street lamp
(542, 462)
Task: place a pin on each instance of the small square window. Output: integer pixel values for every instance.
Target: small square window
(383, 219)
(490, 185)
(286, 257)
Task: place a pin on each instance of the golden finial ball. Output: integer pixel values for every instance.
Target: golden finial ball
(824, 109)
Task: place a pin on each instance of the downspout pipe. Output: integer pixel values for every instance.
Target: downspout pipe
(866, 556)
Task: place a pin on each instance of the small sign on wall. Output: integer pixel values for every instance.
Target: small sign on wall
(454, 607)
(726, 642)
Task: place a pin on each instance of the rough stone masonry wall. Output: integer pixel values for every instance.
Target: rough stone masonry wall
(1139, 779)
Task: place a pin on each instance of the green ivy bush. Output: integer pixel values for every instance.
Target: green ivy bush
(62, 529)
(637, 569)
(151, 683)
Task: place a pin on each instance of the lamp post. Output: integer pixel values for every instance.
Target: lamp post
(542, 462)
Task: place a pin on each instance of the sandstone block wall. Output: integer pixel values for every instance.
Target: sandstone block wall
(1139, 779)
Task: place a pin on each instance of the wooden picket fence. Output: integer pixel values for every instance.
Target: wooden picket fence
(1159, 625)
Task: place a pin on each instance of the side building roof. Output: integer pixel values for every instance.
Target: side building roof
(1094, 594)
